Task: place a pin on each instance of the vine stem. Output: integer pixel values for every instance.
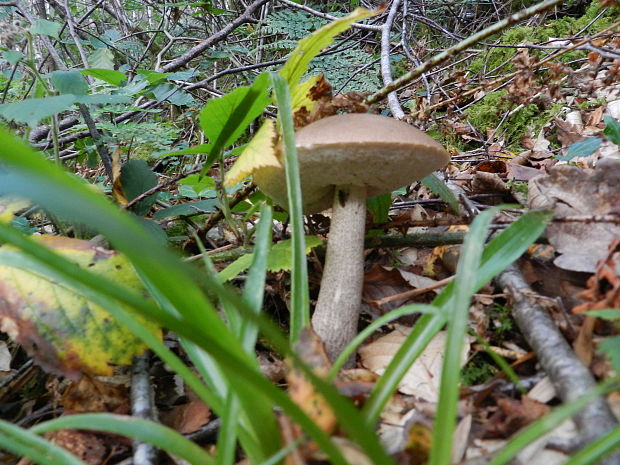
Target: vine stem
(461, 46)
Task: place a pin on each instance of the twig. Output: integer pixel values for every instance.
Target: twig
(461, 46)
(570, 377)
(142, 406)
(386, 73)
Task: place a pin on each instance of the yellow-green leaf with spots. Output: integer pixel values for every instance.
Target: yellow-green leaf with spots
(259, 153)
(63, 331)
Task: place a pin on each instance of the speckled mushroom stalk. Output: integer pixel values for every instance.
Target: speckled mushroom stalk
(343, 159)
(337, 310)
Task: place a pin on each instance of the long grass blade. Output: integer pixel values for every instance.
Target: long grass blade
(300, 313)
(24, 443)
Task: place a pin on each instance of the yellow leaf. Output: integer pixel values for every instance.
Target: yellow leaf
(117, 187)
(61, 329)
(259, 153)
(300, 97)
(11, 205)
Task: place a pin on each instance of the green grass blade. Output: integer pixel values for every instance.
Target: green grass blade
(300, 312)
(548, 422)
(136, 428)
(254, 289)
(501, 251)
(24, 443)
(458, 316)
(598, 449)
(357, 341)
(440, 188)
(107, 294)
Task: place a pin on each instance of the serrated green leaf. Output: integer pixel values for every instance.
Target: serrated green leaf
(224, 119)
(101, 58)
(62, 330)
(116, 78)
(33, 110)
(438, 187)
(612, 129)
(45, 27)
(137, 178)
(69, 82)
(12, 56)
(582, 148)
(297, 64)
(280, 258)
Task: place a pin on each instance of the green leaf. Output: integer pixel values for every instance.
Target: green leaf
(186, 209)
(297, 64)
(24, 443)
(12, 56)
(33, 110)
(198, 183)
(101, 58)
(195, 150)
(612, 129)
(582, 148)
(45, 27)
(606, 313)
(596, 450)
(116, 78)
(69, 82)
(153, 77)
(137, 178)
(62, 330)
(379, 207)
(224, 119)
(102, 99)
(438, 187)
(280, 258)
(136, 428)
(172, 94)
(611, 348)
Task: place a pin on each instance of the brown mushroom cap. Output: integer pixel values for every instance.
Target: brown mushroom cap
(377, 152)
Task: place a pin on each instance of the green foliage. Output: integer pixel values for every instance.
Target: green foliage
(280, 258)
(611, 345)
(338, 68)
(145, 140)
(478, 370)
(292, 24)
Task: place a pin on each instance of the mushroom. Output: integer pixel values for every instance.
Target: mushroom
(344, 159)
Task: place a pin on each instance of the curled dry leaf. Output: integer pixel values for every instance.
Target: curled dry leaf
(424, 376)
(574, 192)
(63, 331)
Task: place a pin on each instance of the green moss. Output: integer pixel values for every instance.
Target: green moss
(497, 60)
(490, 110)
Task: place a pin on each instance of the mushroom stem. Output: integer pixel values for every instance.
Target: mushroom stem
(337, 310)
